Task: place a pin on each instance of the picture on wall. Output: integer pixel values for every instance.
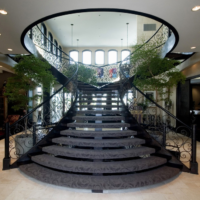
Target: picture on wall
(100, 72)
(113, 73)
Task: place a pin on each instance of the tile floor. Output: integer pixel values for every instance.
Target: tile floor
(16, 186)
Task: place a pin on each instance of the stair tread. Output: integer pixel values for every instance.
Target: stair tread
(98, 106)
(104, 118)
(100, 111)
(115, 133)
(98, 142)
(99, 182)
(97, 154)
(98, 125)
(98, 167)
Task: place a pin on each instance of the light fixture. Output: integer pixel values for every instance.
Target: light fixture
(3, 12)
(9, 49)
(72, 34)
(196, 8)
(0, 66)
(127, 34)
(193, 47)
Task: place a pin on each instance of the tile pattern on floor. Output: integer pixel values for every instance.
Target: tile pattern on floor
(16, 186)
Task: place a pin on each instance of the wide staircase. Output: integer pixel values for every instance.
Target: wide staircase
(98, 145)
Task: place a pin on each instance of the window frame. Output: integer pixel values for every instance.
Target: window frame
(50, 38)
(127, 56)
(70, 56)
(44, 37)
(55, 47)
(116, 56)
(91, 56)
(60, 53)
(103, 56)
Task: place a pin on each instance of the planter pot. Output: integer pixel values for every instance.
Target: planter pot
(23, 143)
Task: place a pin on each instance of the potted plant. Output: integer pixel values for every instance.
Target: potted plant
(30, 73)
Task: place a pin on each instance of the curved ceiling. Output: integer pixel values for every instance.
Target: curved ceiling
(95, 29)
(22, 13)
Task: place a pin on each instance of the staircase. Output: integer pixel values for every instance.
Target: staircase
(100, 146)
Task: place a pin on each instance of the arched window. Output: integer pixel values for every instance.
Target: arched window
(99, 57)
(125, 53)
(112, 56)
(44, 34)
(74, 55)
(87, 57)
(55, 47)
(50, 37)
(60, 53)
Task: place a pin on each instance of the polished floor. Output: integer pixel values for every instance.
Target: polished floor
(16, 186)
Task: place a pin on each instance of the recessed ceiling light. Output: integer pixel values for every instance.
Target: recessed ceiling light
(3, 12)
(9, 49)
(193, 47)
(0, 66)
(196, 8)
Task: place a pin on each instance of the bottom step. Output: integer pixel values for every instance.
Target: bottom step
(99, 182)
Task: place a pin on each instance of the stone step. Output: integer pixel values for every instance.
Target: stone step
(97, 125)
(99, 182)
(109, 133)
(98, 142)
(98, 167)
(97, 154)
(99, 95)
(104, 118)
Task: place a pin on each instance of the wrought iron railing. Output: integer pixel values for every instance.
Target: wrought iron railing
(31, 128)
(173, 134)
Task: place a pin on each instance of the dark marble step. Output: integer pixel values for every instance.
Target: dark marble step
(97, 154)
(100, 96)
(111, 112)
(98, 142)
(98, 101)
(104, 118)
(115, 133)
(99, 182)
(98, 167)
(99, 92)
(99, 106)
(97, 125)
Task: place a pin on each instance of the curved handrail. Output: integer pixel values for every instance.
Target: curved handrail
(68, 81)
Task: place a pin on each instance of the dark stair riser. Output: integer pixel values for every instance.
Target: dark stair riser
(97, 125)
(99, 142)
(98, 167)
(97, 154)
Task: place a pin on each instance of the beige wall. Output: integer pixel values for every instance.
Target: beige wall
(192, 70)
(141, 20)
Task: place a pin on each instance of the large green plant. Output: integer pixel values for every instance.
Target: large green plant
(153, 72)
(85, 75)
(30, 72)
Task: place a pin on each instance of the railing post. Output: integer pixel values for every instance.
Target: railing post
(193, 162)
(34, 133)
(6, 160)
(164, 135)
(63, 103)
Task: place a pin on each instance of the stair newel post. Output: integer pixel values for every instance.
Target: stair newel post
(193, 162)
(164, 134)
(34, 133)
(6, 160)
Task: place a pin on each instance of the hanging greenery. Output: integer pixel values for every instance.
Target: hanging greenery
(153, 72)
(85, 75)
